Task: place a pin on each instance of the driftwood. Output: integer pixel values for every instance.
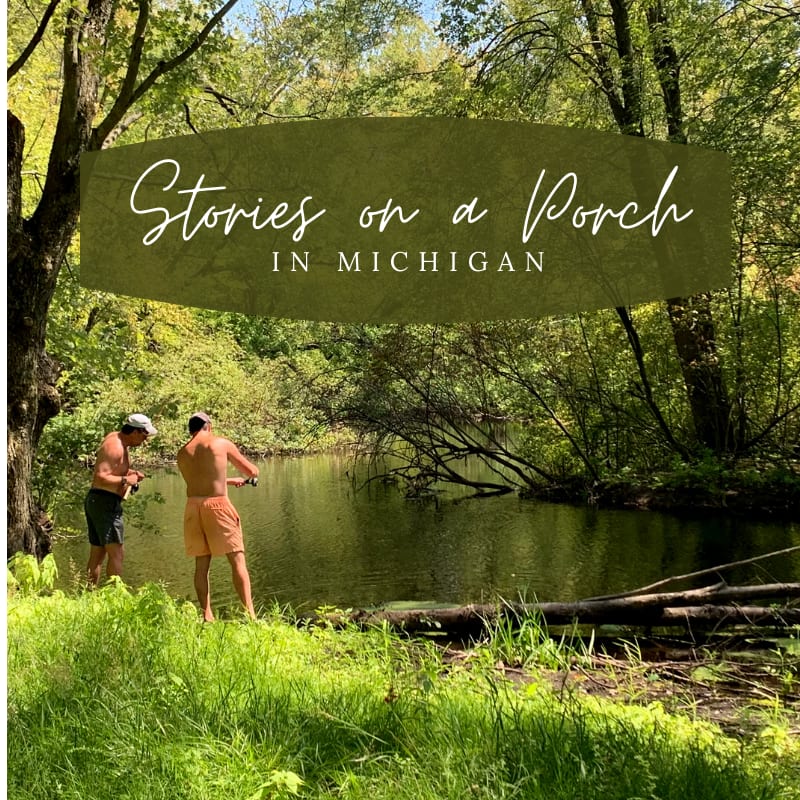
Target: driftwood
(711, 607)
(699, 573)
(695, 609)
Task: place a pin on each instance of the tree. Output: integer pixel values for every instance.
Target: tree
(663, 69)
(96, 106)
(320, 59)
(613, 59)
(713, 372)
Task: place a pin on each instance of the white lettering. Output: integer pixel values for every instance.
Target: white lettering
(626, 217)
(385, 214)
(278, 218)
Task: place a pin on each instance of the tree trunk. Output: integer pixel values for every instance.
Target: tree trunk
(37, 247)
(691, 318)
(33, 261)
(694, 336)
(22, 398)
(711, 607)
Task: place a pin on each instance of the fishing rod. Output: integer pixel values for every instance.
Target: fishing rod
(133, 488)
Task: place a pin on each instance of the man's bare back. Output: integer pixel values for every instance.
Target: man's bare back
(204, 460)
(210, 523)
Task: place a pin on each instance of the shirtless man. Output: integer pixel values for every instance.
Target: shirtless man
(103, 505)
(211, 526)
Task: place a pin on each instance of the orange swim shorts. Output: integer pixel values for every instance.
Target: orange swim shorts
(211, 526)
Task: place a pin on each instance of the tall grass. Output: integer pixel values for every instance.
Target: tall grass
(115, 694)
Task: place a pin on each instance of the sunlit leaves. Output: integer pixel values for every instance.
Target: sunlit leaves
(321, 58)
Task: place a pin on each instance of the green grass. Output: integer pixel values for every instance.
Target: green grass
(121, 694)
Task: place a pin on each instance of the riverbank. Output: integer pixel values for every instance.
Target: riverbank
(711, 488)
(118, 690)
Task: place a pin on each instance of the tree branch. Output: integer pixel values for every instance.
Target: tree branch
(476, 619)
(750, 443)
(709, 571)
(84, 33)
(129, 120)
(35, 39)
(224, 100)
(134, 95)
(123, 101)
(604, 72)
(668, 66)
(638, 354)
(188, 117)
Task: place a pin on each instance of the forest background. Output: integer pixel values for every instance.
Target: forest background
(700, 393)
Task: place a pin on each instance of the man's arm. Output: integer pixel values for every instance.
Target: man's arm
(240, 462)
(109, 470)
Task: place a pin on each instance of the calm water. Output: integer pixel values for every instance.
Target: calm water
(312, 539)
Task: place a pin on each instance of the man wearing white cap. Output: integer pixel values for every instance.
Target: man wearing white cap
(113, 478)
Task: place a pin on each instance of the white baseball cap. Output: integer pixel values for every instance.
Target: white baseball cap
(142, 422)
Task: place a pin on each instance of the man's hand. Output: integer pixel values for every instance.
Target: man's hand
(133, 477)
(237, 482)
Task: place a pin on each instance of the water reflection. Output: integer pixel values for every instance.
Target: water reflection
(312, 539)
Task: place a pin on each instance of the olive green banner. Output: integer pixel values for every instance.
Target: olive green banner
(405, 220)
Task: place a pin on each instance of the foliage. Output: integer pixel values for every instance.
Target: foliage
(121, 355)
(596, 395)
(715, 477)
(323, 58)
(581, 398)
(533, 414)
(526, 642)
(114, 688)
(34, 93)
(28, 575)
(111, 62)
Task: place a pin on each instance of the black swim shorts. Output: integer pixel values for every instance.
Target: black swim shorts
(104, 517)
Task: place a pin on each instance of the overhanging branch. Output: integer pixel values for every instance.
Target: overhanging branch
(162, 68)
(35, 39)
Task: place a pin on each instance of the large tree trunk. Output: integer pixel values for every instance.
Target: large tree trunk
(691, 317)
(693, 332)
(37, 247)
(22, 399)
(32, 397)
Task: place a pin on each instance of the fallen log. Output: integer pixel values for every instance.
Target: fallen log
(698, 573)
(717, 615)
(709, 607)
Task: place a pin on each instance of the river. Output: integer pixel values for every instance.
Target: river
(312, 539)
